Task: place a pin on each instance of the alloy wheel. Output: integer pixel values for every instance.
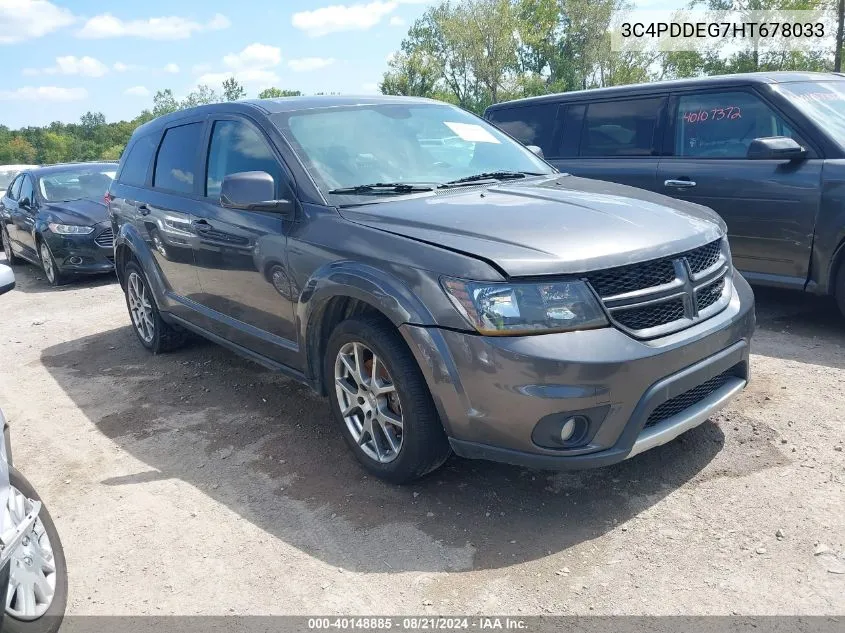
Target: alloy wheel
(140, 307)
(369, 402)
(47, 262)
(32, 571)
(7, 245)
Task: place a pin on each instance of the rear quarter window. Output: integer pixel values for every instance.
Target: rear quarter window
(137, 161)
(621, 128)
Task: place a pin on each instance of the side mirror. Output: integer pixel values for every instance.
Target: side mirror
(536, 150)
(24, 203)
(252, 191)
(7, 279)
(775, 148)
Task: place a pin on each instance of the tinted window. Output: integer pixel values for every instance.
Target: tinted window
(134, 170)
(235, 147)
(177, 158)
(621, 128)
(723, 124)
(530, 125)
(26, 190)
(572, 120)
(15, 189)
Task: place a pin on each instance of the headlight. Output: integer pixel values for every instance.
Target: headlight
(525, 308)
(70, 229)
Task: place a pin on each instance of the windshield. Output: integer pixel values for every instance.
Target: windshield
(85, 182)
(420, 144)
(821, 101)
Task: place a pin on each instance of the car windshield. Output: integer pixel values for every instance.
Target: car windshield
(73, 184)
(398, 144)
(821, 101)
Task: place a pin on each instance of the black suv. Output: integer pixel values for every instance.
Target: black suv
(444, 286)
(766, 151)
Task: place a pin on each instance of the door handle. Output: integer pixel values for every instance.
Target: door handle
(143, 209)
(679, 184)
(201, 226)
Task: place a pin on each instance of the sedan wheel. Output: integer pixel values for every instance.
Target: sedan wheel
(32, 571)
(140, 307)
(369, 402)
(47, 263)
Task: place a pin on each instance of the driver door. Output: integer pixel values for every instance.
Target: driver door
(769, 205)
(23, 219)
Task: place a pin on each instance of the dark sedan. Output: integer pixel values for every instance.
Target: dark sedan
(56, 217)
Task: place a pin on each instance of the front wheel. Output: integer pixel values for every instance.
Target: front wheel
(154, 332)
(37, 595)
(11, 258)
(381, 401)
(48, 263)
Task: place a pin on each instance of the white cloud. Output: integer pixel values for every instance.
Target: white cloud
(24, 20)
(120, 67)
(397, 21)
(137, 91)
(306, 64)
(171, 68)
(43, 93)
(356, 17)
(71, 65)
(254, 56)
(164, 28)
(261, 77)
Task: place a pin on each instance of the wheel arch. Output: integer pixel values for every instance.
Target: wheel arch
(130, 245)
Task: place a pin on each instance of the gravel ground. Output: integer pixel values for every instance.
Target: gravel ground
(198, 482)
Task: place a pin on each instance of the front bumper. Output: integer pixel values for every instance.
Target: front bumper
(83, 254)
(491, 392)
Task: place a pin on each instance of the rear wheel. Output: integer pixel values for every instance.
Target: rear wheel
(37, 594)
(839, 290)
(381, 401)
(155, 333)
(11, 258)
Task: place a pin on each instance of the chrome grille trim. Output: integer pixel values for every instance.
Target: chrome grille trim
(697, 273)
(105, 239)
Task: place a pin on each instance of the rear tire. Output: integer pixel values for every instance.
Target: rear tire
(387, 388)
(839, 290)
(11, 258)
(50, 621)
(155, 333)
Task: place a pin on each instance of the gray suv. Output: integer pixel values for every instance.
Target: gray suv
(446, 288)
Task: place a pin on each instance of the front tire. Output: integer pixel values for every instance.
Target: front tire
(381, 401)
(155, 333)
(48, 263)
(37, 594)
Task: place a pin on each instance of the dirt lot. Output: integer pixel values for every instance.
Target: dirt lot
(200, 483)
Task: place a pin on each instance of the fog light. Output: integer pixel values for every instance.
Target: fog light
(75, 260)
(568, 429)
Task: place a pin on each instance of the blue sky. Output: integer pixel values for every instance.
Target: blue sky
(61, 58)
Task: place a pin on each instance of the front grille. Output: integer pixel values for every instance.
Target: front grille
(651, 316)
(615, 281)
(709, 295)
(652, 289)
(105, 239)
(687, 399)
(704, 257)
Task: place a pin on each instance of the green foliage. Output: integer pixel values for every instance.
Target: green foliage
(275, 93)
(232, 90)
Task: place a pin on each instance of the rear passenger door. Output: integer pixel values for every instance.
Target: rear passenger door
(769, 205)
(241, 255)
(163, 209)
(616, 140)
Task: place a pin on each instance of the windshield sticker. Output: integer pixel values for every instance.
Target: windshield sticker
(471, 132)
(818, 96)
(728, 113)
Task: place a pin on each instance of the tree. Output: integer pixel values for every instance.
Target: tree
(275, 93)
(232, 90)
(203, 95)
(410, 74)
(164, 103)
(17, 151)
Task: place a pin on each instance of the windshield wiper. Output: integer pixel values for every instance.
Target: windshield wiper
(383, 187)
(491, 175)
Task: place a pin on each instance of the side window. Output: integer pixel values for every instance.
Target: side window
(177, 158)
(137, 162)
(530, 125)
(621, 128)
(26, 190)
(572, 119)
(237, 146)
(723, 124)
(15, 189)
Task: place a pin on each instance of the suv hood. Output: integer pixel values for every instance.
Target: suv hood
(84, 211)
(557, 225)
